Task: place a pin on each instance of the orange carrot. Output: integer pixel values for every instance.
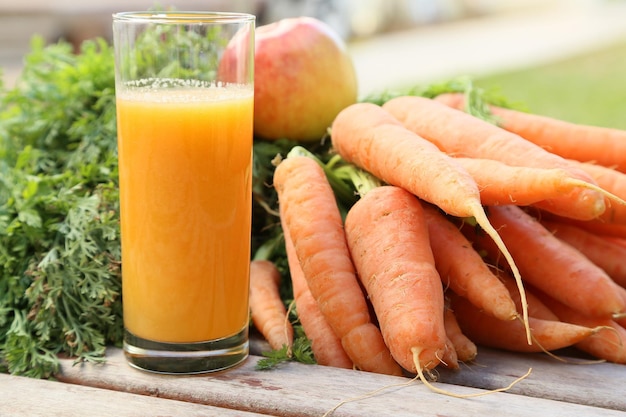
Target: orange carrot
(609, 343)
(463, 270)
(267, 309)
(466, 350)
(312, 219)
(605, 146)
(388, 239)
(614, 182)
(486, 330)
(609, 256)
(551, 265)
(500, 183)
(325, 344)
(371, 138)
(536, 308)
(596, 226)
(462, 135)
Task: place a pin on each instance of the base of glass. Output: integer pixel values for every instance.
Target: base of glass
(186, 358)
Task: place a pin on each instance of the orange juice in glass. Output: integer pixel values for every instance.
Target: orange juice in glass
(185, 155)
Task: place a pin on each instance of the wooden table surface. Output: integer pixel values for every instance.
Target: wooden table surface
(553, 388)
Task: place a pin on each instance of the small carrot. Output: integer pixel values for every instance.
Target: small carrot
(325, 344)
(388, 239)
(466, 350)
(609, 256)
(371, 138)
(551, 265)
(267, 309)
(463, 135)
(609, 343)
(605, 146)
(312, 219)
(463, 270)
(500, 183)
(486, 330)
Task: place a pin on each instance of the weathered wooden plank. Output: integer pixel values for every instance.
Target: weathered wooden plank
(27, 397)
(303, 390)
(574, 379)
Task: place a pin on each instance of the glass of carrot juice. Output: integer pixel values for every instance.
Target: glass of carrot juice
(184, 97)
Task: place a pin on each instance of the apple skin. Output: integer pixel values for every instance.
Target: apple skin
(303, 78)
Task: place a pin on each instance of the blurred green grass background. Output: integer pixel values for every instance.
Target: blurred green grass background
(589, 88)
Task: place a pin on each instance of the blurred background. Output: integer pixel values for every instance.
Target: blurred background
(565, 58)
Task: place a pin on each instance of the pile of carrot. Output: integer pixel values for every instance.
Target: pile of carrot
(509, 235)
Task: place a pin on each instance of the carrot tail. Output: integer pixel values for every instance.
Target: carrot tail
(609, 343)
(463, 270)
(483, 222)
(465, 349)
(547, 335)
(552, 265)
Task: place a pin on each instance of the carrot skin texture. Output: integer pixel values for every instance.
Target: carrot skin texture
(325, 344)
(606, 254)
(466, 350)
(388, 239)
(371, 138)
(267, 309)
(509, 335)
(462, 135)
(536, 307)
(314, 223)
(500, 183)
(551, 265)
(463, 270)
(605, 146)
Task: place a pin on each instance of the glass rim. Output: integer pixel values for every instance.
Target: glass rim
(183, 17)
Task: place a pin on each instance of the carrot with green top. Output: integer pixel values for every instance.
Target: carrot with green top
(370, 137)
(602, 145)
(387, 236)
(267, 309)
(312, 219)
(463, 135)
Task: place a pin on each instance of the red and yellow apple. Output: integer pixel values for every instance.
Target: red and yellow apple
(303, 77)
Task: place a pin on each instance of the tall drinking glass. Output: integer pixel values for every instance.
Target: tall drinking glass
(184, 91)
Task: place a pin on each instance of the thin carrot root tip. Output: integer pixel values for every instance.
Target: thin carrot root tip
(619, 316)
(483, 222)
(420, 372)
